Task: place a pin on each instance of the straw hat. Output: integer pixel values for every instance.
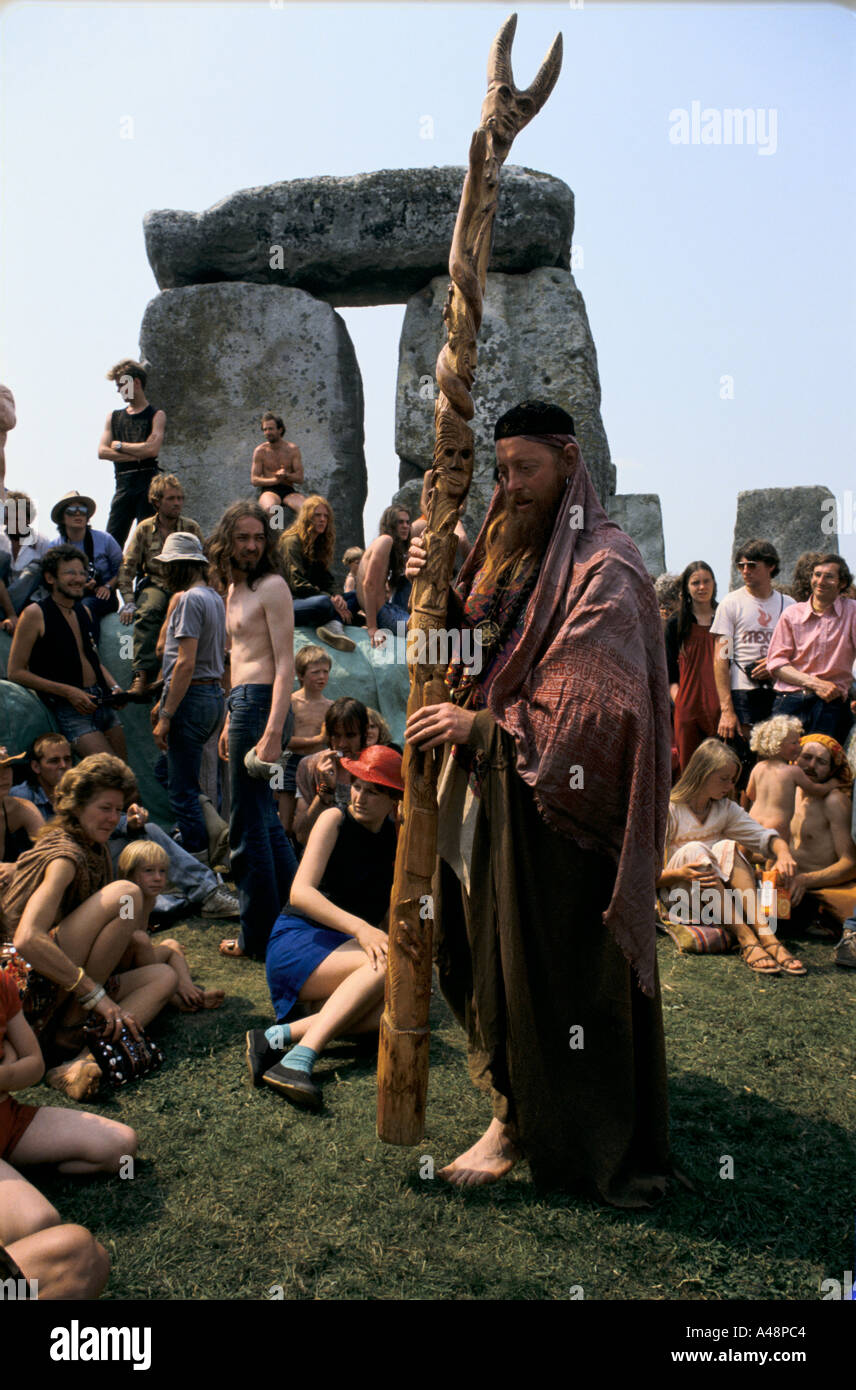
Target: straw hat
(66, 499)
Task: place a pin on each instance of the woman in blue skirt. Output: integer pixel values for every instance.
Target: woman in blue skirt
(329, 943)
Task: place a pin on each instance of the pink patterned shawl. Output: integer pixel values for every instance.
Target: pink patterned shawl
(586, 688)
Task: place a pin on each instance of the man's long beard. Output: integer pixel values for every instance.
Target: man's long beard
(522, 533)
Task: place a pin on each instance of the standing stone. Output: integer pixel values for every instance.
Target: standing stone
(534, 342)
(223, 354)
(365, 239)
(793, 518)
(639, 514)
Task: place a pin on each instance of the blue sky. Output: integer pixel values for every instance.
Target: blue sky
(698, 261)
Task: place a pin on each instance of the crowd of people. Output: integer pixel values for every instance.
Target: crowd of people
(572, 674)
(763, 698)
(86, 877)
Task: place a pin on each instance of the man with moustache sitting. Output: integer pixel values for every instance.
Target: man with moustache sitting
(823, 847)
(552, 814)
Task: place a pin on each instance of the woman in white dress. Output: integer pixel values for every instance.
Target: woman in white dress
(705, 832)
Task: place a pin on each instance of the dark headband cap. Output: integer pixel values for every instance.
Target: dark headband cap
(533, 417)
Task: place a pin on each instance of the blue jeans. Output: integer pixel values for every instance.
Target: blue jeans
(396, 610)
(312, 612)
(263, 861)
(753, 706)
(192, 725)
(390, 614)
(817, 716)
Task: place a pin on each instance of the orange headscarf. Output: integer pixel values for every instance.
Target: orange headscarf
(839, 757)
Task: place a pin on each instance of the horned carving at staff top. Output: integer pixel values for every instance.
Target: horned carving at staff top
(404, 1032)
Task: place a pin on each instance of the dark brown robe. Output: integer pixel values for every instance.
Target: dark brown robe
(524, 958)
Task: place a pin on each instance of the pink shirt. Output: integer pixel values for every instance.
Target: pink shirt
(816, 644)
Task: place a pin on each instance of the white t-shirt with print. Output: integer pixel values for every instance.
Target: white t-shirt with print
(749, 624)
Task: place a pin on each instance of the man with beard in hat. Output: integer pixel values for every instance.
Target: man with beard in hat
(553, 803)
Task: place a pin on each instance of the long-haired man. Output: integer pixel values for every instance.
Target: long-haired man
(260, 624)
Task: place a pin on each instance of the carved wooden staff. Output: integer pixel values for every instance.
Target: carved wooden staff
(404, 1032)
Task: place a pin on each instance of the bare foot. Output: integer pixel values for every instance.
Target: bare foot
(489, 1159)
(78, 1079)
(211, 999)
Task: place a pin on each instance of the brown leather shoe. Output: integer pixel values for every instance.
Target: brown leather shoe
(140, 683)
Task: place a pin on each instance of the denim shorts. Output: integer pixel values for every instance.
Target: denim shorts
(75, 725)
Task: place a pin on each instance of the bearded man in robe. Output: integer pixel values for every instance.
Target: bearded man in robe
(553, 801)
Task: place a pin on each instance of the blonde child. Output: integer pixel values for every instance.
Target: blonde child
(146, 864)
(312, 665)
(772, 787)
(351, 558)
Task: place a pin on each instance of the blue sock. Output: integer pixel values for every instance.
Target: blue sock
(279, 1036)
(300, 1059)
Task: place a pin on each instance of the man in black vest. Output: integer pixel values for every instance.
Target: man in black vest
(54, 654)
(131, 440)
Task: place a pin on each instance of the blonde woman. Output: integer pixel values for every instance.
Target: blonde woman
(703, 837)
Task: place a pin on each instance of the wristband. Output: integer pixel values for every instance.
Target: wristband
(80, 974)
(89, 1001)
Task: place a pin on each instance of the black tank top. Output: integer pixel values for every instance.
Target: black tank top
(55, 656)
(358, 876)
(14, 841)
(134, 429)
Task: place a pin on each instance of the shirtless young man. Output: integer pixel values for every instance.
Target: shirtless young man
(382, 568)
(820, 830)
(260, 625)
(775, 777)
(53, 653)
(277, 468)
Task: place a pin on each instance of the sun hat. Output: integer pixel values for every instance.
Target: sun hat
(379, 764)
(183, 545)
(7, 758)
(66, 500)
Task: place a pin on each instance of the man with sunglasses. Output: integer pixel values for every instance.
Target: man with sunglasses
(745, 621)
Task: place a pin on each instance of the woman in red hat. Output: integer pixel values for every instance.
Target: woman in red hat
(329, 943)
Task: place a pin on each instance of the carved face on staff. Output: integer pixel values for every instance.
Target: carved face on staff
(453, 458)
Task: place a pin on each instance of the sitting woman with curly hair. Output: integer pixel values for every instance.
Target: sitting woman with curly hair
(73, 925)
(307, 549)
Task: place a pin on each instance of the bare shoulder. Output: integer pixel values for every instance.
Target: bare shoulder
(32, 618)
(272, 588)
(837, 807)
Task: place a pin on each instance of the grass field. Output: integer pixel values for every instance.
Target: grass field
(237, 1195)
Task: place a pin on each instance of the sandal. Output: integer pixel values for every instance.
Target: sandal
(790, 964)
(231, 947)
(746, 953)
